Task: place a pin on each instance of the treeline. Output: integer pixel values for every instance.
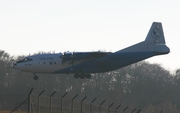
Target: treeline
(141, 85)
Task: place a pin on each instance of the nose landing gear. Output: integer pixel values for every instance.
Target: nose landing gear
(35, 77)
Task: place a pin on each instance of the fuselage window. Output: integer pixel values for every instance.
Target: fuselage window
(44, 62)
(50, 63)
(54, 62)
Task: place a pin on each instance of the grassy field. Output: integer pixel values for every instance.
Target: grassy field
(20, 112)
(13, 112)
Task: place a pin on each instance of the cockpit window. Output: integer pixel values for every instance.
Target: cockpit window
(27, 59)
(24, 60)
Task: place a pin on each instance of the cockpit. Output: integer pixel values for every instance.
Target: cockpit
(24, 60)
(27, 59)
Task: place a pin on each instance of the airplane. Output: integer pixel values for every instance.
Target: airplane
(83, 64)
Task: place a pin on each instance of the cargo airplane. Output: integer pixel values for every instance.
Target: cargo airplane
(83, 64)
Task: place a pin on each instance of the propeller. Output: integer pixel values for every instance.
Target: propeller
(63, 58)
(68, 57)
(73, 57)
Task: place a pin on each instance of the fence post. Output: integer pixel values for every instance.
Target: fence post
(117, 108)
(82, 101)
(19, 105)
(61, 101)
(100, 106)
(110, 106)
(72, 103)
(133, 110)
(51, 101)
(39, 101)
(125, 109)
(29, 101)
(91, 105)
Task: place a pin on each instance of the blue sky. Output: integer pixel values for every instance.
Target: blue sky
(30, 26)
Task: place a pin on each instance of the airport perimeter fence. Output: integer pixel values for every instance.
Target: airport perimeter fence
(67, 103)
(54, 102)
(53, 105)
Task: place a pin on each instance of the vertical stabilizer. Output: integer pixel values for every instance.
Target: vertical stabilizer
(155, 34)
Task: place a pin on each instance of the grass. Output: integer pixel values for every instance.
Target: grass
(13, 112)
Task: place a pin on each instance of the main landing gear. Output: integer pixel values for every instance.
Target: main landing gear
(76, 76)
(82, 75)
(35, 77)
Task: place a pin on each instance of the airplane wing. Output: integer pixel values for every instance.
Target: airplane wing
(83, 55)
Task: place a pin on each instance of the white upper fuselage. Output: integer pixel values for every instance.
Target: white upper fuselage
(45, 63)
(50, 63)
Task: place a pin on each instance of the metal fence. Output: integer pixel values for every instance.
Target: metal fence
(67, 103)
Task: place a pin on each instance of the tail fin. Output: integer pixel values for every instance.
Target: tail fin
(154, 42)
(155, 35)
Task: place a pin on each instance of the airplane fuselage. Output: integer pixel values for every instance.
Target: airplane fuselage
(53, 63)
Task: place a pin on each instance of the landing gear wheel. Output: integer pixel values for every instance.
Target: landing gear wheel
(35, 77)
(82, 75)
